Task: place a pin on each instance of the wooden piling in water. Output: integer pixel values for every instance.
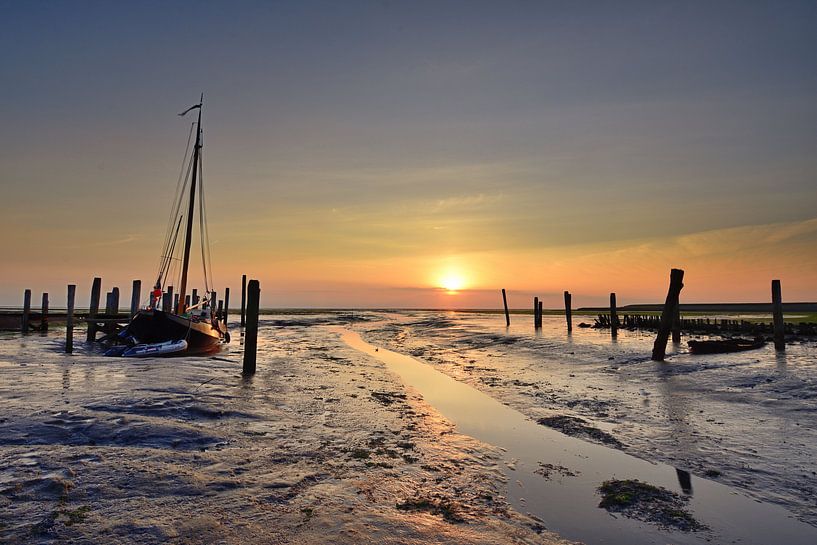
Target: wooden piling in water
(69, 317)
(243, 299)
(135, 296)
(195, 298)
(93, 308)
(777, 317)
(505, 304)
(44, 313)
(541, 304)
(569, 311)
(26, 310)
(226, 305)
(676, 283)
(613, 315)
(219, 309)
(167, 301)
(535, 312)
(251, 332)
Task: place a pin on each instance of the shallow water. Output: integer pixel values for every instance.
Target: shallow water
(569, 505)
(749, 416)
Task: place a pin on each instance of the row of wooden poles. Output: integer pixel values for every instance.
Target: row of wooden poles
(250, 296)
(670, 320)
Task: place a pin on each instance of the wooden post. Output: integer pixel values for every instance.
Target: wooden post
(777, 316)
(676, 283)
(535, 312)
(44, 313)
(109, 303)
(613, 315)
(195, 298)
(569, 311)
(219, 309)
(505, 304)
(541, 304)
(93, 309)
(135, 296)
(166, 301)
(676, 325)
(186, 302)
(69, 317)
(26, 310)
(176, 300)
(243, 299)
(251, 333)
(226, 304)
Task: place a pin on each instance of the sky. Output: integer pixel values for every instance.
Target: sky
(416, 154)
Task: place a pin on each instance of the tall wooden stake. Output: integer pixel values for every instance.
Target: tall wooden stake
(93, 309)
(26, 310)
(777, 316)
(676, 325)
(251, 332)
(613, 315)
(135, 296)
(676, 283)
(505, 304)
(226, 304)
(69, 327)
(541, 304)
(535, 312)
(569, 311)
(243, 299)
(44, 313)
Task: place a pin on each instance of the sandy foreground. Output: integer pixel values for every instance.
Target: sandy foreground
(323, 445)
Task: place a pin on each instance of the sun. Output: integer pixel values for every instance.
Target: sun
(452, 281)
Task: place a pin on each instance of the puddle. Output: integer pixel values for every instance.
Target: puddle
(568, 504)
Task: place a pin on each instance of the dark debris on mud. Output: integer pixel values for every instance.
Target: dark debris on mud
(638, 500)
(578, 427)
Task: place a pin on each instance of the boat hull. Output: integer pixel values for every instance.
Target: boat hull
(155, 326)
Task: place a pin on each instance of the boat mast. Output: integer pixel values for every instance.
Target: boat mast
(187, 239)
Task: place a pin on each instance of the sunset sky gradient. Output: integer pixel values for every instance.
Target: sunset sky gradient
(363, 154)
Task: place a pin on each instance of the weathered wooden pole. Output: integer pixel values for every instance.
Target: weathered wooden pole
(251, 332)
(243, 299)
(93, 308)
(135, 296)
(44, 313)
(219, 309)
(195, 298)
(226, 305)
(613, 315)
(676, 325)
(108, 302)
(535, 312)
(69, 318)
(186, 302)
(505, 304)
(569, 311)
(777, 316)
(676, 282)
(174, 299)
(166, 301)
(541, 304)
(26, 310)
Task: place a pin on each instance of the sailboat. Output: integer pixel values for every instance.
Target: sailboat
(187, 324)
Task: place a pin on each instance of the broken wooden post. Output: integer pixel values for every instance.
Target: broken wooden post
(69, 317)
(676, 325)
(777, 317)
(613, 315)
(243, 299)
(569, 311)
(676, 282)
(535, 312)
(26, 310)
(251, 333)
(226, 305)
(44, 313)
(93, 308)
(505, 304)
(135, 296)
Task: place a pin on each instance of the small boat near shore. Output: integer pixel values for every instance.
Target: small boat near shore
(189, 324)
(725, 346)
